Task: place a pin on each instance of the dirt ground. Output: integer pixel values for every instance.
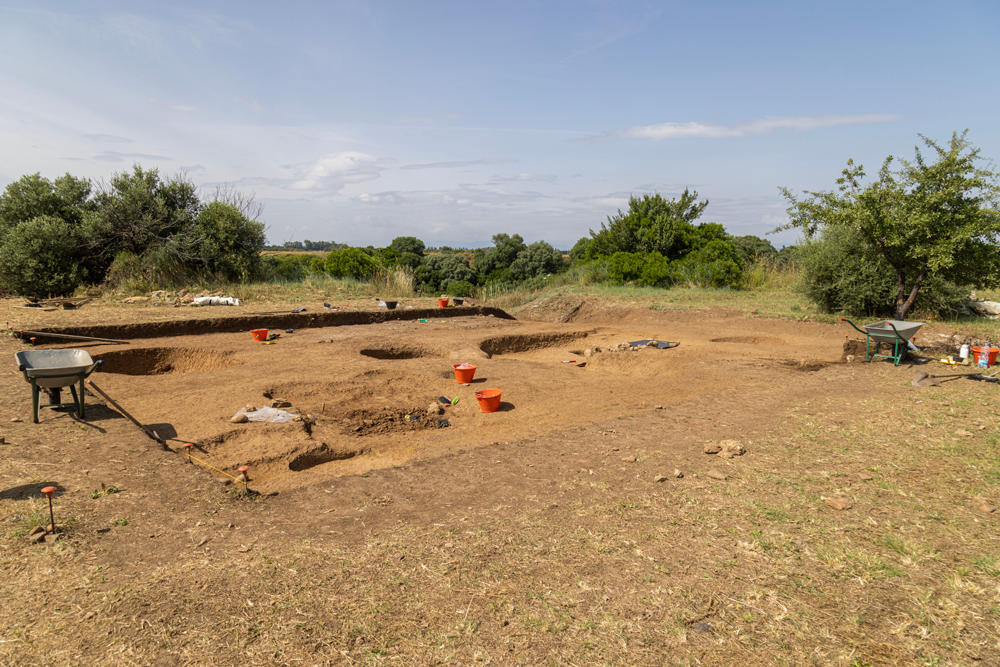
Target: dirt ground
(554, 531)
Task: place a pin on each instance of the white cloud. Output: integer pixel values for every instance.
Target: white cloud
(109, 138)
(750, 128)
(524, 178)
(112, 156)
(170, 106)
(459, 163)
(333, 171)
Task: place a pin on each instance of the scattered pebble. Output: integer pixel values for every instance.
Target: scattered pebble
(15, 419)
(658, 407)
(628, 459)
(36, 538)
(866, 476)
(435, 409)
(838, 503)
(677, 473)
(240, 419)
(715, 474)
(989, 509)
(660, 478)
(280, 403)
(712, 448)
(962, 432)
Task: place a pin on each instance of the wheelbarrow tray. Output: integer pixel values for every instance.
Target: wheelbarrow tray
(54, 368)
(881, 332)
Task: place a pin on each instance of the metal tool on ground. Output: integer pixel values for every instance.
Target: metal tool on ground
(300, 309)
(924, 379)
(52, 370)
(152, 434)
(46, 334)
(891, 332)
(660, 344)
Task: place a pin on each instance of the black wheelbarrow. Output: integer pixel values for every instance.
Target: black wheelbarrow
(52, 370)
(896, 333)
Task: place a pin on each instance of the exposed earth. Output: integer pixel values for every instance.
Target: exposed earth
(582, 523)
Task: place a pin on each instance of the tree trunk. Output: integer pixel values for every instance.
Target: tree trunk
(903, 305)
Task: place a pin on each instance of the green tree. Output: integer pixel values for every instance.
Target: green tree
(537, 259)
(228, 243)
(350, 263)
(447, 269)
(31, 196)
(924, 218)
(498, 258)
(140, 213)
(751, 247)
(41, 258)
(404, 244)
(652, 224)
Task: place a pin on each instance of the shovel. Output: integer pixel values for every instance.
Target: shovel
(923, 379)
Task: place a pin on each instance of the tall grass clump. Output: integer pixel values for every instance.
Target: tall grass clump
(507, 295)
(764, 274)
(395, 282)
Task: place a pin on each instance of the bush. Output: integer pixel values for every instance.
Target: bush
(229, 243)
(447, 269)
(841, 272)
(717, 264)
(350, 263)
(639, 268)
(459, 288)
(408, 244)
(537, 259)
(39, 258)
(293, 267)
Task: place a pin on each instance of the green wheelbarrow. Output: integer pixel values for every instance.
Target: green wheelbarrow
(52, 370)
(892, 332)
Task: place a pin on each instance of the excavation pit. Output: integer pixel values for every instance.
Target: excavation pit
(164, 360)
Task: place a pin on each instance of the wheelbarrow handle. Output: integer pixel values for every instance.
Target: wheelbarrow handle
(93, 368)
(844, 319)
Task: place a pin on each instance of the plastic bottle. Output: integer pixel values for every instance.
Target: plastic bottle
(963, 353)
(984, 355)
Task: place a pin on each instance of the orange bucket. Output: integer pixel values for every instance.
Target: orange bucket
(991, 360)
(443, 302)
(489, 399)
(464, 375)
(259, 335)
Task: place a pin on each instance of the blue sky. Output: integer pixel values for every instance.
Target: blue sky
(361, 121)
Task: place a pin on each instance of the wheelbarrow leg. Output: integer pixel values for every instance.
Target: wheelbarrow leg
(76, 399)
(35, 391)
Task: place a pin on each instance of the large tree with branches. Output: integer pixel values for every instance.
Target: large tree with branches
(925, 217)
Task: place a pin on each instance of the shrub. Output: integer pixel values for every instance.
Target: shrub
(841, 272)
(350, 263)
(450, 268)
(408, 244)
(459, 288)
(537, 259)
(39, 258)
(640, 268)
(229, 243)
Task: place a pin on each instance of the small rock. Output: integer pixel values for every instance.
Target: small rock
(3, 441)
(35, 531)
(435, 409)
(989, 509)
(715, 474)
(36, 538)
(658, 407)
(589, 352)
(51, 538)
(731, 448)
(448, 545)
(677, 473)
(866, 476)
(297, 418)
(850, 358)
(280, 403)
(202, 542)
(15, 420)
(249, 408)
(240, 418)
(838, 503)
(712, 448)
(660, 478)
(962, 432)
(89, 615)
(628, 459)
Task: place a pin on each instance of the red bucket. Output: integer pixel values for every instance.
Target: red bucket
(259, 335)
(991, 359)
(464, 375)
(443, 302)
(489, 399)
